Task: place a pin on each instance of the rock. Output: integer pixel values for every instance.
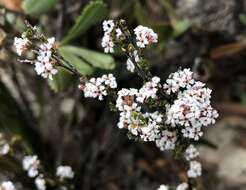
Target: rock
(216, 15)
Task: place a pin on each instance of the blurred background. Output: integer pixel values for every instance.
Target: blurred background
(54, 120)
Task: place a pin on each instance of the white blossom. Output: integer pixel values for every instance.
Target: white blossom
(126, 100)
(40, 183)
(44, 65)
(97, 87)
(178, 80)
(163, 187)
(192, 132)
(195, 169)
(167, 140)
(149, 90)
(182, 186)
(7, 185)
(129, 64)
(118, 33)
(108, 26)
(30, 164)
(145, 36)
(107, 43)
(64, 172)
(192, 109)
(21, 45)
(191, 152)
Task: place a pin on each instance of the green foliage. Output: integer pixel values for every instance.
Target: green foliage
(140, 13)
(92, 14)
(242, 18)
(84, 60)
(180, 27)
(38, 7)
(95, 59)
(61, 81)
(83, 67)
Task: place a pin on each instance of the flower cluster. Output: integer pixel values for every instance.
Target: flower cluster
(97, 87)
(107, 40)
(21, 45)
(31, 164)
(145, 125)
(195, 169)
(64, 172)
(44, 65)
(167, 140)
(145, 36)
(40, 183)
(7, 185)
(113, 35)
(149, 90)
(191, 152)
(182, 186)
(192, 108)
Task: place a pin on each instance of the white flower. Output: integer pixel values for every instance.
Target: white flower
(64, 172)
(21, 45)
(182, 186)
(107, 43)
(149, 90)
(145, 36)
(108, 26)
(31, 164)
(192, 108)
(178, 80)
(167, 140)
(97, 87)
(7, 185)
(191, 152)
(163, 187)
(40, 183)
(151, 130)
(192, 132)
(195, 169)
(129, 64)
(126, 100)
(44, 65)
(118, 33)
(4, 149)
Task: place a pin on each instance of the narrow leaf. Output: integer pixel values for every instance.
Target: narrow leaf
(96, 59)
(75, 60)
(38, 7)
(61, 81)
(93, 13)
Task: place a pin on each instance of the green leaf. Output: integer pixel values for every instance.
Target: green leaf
(242, 18)
(61, 81)
(140, 13)
(93, 13)
(83, 67)
(96, 59)
(181, 26)
(38, 7)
